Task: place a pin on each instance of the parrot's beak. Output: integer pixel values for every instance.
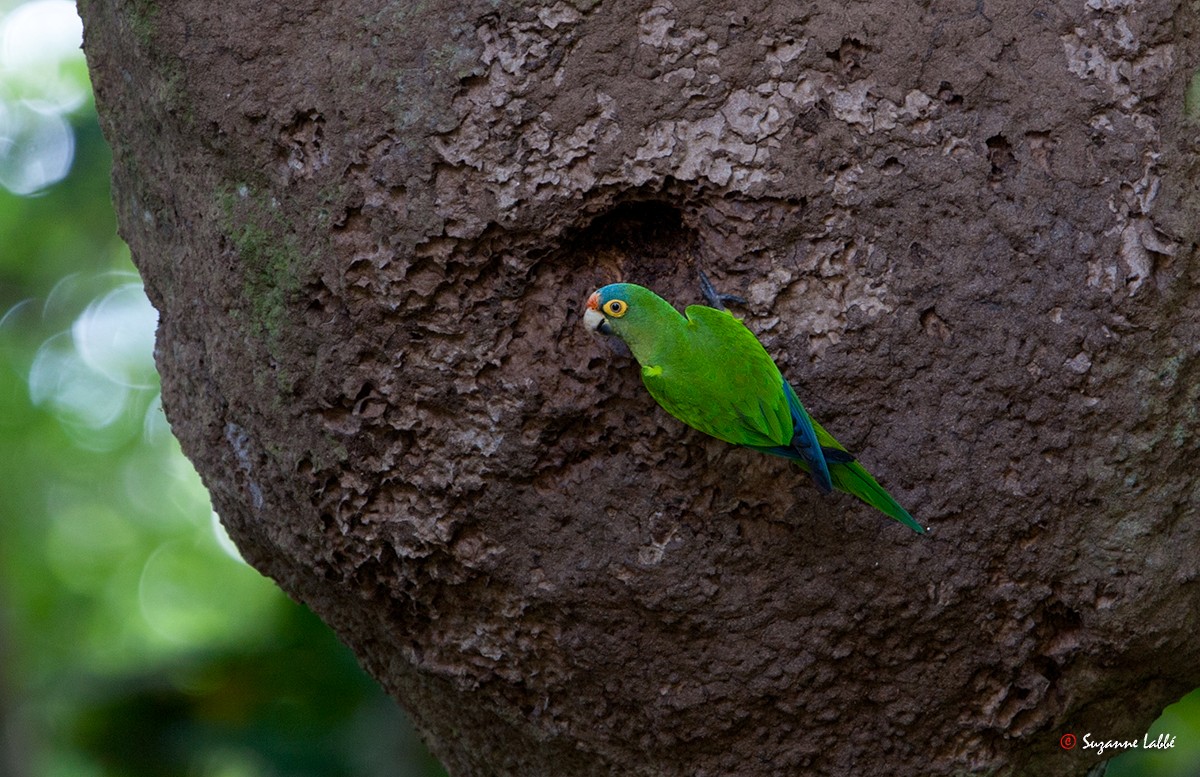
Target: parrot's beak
(593, 318)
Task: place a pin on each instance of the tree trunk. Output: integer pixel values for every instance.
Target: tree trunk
(966, 232)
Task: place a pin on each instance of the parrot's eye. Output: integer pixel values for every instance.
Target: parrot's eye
(615, 308)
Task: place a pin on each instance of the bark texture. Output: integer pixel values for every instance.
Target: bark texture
(968, 233)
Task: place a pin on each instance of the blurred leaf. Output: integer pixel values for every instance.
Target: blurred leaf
(1180, 723)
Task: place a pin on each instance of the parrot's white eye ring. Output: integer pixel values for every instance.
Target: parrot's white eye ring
(615, 308)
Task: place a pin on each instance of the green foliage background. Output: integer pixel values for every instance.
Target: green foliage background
(133, 641)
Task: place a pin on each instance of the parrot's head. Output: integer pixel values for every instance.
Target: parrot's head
(633, 313)
(613, 309)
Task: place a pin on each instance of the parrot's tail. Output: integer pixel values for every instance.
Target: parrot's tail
(854, 479)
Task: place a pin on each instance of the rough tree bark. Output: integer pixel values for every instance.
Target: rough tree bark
(967, 231)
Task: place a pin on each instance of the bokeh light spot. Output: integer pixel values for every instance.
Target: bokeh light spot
(36, 149)
(115, 336)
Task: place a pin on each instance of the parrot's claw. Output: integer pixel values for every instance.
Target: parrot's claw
(714, 298)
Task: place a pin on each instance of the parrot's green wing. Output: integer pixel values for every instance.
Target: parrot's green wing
(803, 439)
(716, 382)
(721, 381)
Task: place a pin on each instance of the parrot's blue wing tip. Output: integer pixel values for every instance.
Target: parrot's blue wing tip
(804, 442)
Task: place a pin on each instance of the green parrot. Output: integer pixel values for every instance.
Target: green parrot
(709, 371)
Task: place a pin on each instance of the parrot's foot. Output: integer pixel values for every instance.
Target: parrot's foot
(714, 298)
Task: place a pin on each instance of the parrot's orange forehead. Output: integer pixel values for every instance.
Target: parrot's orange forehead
(593, 302)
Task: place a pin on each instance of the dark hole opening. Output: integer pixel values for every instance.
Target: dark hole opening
(642, 241)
